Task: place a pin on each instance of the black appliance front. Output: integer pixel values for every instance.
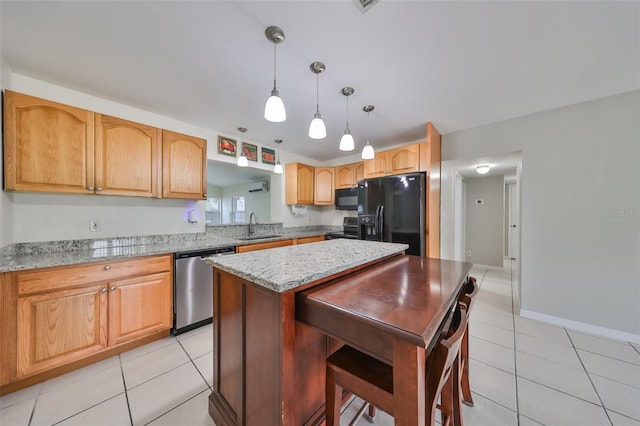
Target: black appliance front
(392, 209)
(346, 199)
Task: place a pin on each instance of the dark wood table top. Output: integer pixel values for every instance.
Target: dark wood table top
(405, 298)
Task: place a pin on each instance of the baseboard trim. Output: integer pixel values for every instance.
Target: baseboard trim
(580, 326)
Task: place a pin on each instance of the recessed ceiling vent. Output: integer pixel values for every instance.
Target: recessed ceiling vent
(364, 5)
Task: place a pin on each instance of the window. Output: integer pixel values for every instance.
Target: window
(212, 211)
(237, 209)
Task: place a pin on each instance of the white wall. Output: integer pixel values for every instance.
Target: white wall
(256, 202)
(6, 211)
(484, 222)
(580, 209)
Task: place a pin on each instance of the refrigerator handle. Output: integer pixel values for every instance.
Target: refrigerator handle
(380, 221)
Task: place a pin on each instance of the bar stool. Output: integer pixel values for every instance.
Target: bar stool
(372, 380)
(469, 292)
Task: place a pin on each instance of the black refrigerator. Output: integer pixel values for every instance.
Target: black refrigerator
(392, 209)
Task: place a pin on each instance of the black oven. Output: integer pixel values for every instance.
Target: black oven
(347, 199)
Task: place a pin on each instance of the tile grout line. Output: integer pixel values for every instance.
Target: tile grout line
(515, 349)
(194, 366)
(589, 377)
(126, 394)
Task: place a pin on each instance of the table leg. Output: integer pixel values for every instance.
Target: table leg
(408, 384)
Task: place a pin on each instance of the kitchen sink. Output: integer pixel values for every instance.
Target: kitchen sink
(258, 237)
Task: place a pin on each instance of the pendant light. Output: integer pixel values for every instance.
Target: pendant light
(274, 108)
(317, 130)
(242, 160)
(367, 152)
(346, 142)
(278, 167)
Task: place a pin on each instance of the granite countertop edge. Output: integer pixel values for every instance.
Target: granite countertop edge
(338, 261)
(21, 262)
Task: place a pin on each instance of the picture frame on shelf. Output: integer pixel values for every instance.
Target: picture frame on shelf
(227, 146)
(250, 151)
(268, 156)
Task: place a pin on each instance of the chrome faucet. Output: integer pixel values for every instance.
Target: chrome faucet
(252, 216)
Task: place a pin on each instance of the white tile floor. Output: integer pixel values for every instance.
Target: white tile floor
(523, 372)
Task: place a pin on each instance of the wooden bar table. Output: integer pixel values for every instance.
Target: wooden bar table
(393, 311)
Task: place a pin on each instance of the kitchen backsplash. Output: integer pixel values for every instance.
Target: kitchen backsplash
(216, 231)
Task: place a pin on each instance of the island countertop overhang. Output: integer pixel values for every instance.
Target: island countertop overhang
(286, 268)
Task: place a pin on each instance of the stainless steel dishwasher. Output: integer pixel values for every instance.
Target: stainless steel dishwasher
(193, 288)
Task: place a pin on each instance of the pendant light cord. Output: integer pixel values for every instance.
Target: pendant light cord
(275, 45)
(347, 113)
(317, 93)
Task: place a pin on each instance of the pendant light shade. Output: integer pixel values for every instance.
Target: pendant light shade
(242, 160)
(317, 130)
(274, 108)
(367, 152)
(278, 167)
(346, 142)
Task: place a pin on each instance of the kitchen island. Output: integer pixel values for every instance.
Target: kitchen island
(272, 331)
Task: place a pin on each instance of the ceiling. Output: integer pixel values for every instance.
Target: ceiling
(457, 64)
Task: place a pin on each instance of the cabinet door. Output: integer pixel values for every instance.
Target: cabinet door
(299, 185)
(184, 166)
(48, 147)
(262, 246)
(377, 166)
(140, 306)
(405, 159)
(60, 327)
(358, 172)
(345, 176)
(323, 191)
(127, 158)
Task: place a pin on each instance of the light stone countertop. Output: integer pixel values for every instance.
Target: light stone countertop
(24, 261)
(284, 268)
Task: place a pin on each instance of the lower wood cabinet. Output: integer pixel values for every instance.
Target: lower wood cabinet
(52, 317)
(263, 246)
(279, 243)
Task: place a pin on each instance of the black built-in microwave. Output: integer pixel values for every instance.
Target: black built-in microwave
(347, 199)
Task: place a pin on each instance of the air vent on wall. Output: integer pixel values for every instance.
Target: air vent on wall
(364, 5)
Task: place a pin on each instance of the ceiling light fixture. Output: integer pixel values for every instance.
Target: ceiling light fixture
(317, 130)
(367, 152)
(274, 108)
(278, 167)
(483, 169)
(242, 160)
(346, 142)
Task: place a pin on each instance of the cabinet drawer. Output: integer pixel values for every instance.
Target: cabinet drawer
(48, 279)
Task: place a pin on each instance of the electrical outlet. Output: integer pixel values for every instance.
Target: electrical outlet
(94, 225)
(468, 253)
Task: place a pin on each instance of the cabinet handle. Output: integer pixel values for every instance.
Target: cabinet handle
(113, 288)
(103, 290)
(99, 188)
(204, 195)
(89, 188)
(107, 267)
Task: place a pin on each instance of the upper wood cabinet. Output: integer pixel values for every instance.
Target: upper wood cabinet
(127, 158)
(299, 183)
(48, 147)
(405, 159)
(323, 193)
(348, 175)
(184, 166)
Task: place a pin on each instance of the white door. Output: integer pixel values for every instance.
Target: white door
(512, 222)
